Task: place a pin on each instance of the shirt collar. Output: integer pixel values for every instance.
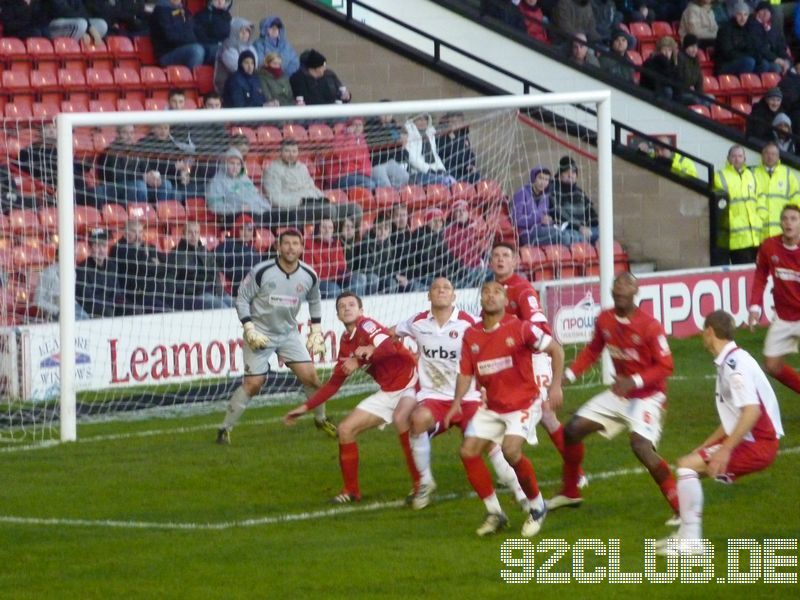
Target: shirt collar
(723, 354)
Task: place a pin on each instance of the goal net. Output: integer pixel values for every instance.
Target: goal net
(129, 233)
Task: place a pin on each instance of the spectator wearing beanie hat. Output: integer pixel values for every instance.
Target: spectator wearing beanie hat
(315, 83)
(616, 62)
(759, 122)
(689, 72)
(773, 49)
(739, 48)
(660, 70)
(571, 209)
(782, 133)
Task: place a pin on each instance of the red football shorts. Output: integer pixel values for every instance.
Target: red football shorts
(746, 458)
(440, 408)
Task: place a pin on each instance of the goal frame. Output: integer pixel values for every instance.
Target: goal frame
(67, 122)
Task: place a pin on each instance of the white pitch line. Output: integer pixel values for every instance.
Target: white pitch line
(285, 518)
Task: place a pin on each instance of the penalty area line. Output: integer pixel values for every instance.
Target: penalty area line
(287, 517)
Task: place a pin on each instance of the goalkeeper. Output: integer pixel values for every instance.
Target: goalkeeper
(268, 302)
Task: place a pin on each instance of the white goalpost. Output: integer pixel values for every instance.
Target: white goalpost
(474, 110)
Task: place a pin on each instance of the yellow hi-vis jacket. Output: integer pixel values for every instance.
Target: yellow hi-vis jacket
(774, 192)
(683, 166)
(740, 226)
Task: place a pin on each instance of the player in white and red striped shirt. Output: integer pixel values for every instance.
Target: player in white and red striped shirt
(746, 440)
(779, 256)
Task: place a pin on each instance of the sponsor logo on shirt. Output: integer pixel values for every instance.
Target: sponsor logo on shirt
(287, 301)
(785, 274)
(623, 353)
(453, 334)
(510, 342)
(369, 326)
(494, 365)
(475, 348)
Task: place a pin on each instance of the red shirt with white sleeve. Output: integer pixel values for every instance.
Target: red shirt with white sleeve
(523, 300)
(500, 360)
(783, 263)
(638, 348)
(391, 365)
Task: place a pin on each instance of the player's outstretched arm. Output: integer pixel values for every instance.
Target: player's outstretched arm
(321, 396)
(715, 438)
(291, 417)
(555, 395)
(463, 383)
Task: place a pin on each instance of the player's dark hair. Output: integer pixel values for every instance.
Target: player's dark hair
(790, 206)
(502, 244)
(290, 233)
(348, 294)
(722, 324)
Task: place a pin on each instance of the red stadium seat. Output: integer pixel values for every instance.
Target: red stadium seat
(123, 51)
(168, 242)
(74, 105)
(100, 106)
(701, 110)
(16, 83)
(248, 132)
(128, 104)
(268, 136)
(67, 49)
(23, 222)
(48, 220)
(730, 89)
(661, 29)
(751, 84)
(153, 79)
(320, 136)
(204, 78)
(296, 132)
(770, 80)
(82, 252)
(45, 110)
(97, 55)
(642, 32)
(155, 104)
(19, 109)
(585, 257)
(361, 196)
(144, 50)
(263, 240)
(143, 212)
(114, 216)
(535, 264)
(126, 78)
(180, 76)
(197, 210)
(12, 50)
(461, 190)
(413, 196)
(488, 190)
(72, 80)
(385, 197)
(336, 196)
(635, 57)
(87, 218)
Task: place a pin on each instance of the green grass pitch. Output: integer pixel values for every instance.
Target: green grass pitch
(155, 509)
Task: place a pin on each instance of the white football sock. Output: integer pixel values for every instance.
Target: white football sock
(538, 502)
(493, 505)
(421, 450)
(236, 406)
(690, 498)
(507, 476)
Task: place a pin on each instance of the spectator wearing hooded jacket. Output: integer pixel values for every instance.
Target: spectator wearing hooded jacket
(571, 208)
(739, 48)
(227, 62)
(455, 148)
(387, 141)
(24, 18)
(273, 39)
(231, 191)
(71, 18)
(759, 121)
(173, 36)
(425, 164)
(531, 211)
(212, 26)
(243, 88)
(315, 83)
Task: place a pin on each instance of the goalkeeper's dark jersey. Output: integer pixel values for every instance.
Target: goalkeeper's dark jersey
(271, 298)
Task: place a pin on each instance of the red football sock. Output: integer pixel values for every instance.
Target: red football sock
(348, 461)
(526, 477)
(573, 457)
(557, 437)
(790, 378)
(479, 476)
(663, 476)
(405, 443)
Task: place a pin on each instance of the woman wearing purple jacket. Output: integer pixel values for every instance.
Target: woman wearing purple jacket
(531, 204)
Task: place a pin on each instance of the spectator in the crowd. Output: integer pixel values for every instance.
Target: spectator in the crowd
(243, 88)
(240, 38)
(531, 210)
(455, 148)
(534, 19)
(24, 18)
(140, 272)
(128, 17)
(571, 17)
(386, 141)
(606, 17)
(425, 165)
(97, 289)
(690, 74)
(571, 209)
(291, 191)
(580, 53)
(236, 256)
(273, 39)
(350, 238)
(193, 270)
(314, 83)
(275, 82)
(173, 36)
(212, 26)
(47, 296)
(468, 242)
(671, 159)
(432, 257)
(777, 185)
(349, 165)
(210, 138)
(763, 113)
(10, 197)
(231, 191)
(505, 11)
(616, 62)
(325, 253)
(40, 160)
(117, 169)
(160, 162)
(376, 258)
(773, 49)
(741, 222)
(698, 19)
(739, 49)
(407, 254)
(181, 134)
(782, 133)
(640, 12)
(71, 18)
(660, 70)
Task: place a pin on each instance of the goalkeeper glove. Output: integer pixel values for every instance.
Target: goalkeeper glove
(316, 342)
(254, 339)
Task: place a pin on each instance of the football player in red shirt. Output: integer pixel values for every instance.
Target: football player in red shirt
(497, 352)
(366, 345)
(523, 303)
(779, 256)
(637, 399)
